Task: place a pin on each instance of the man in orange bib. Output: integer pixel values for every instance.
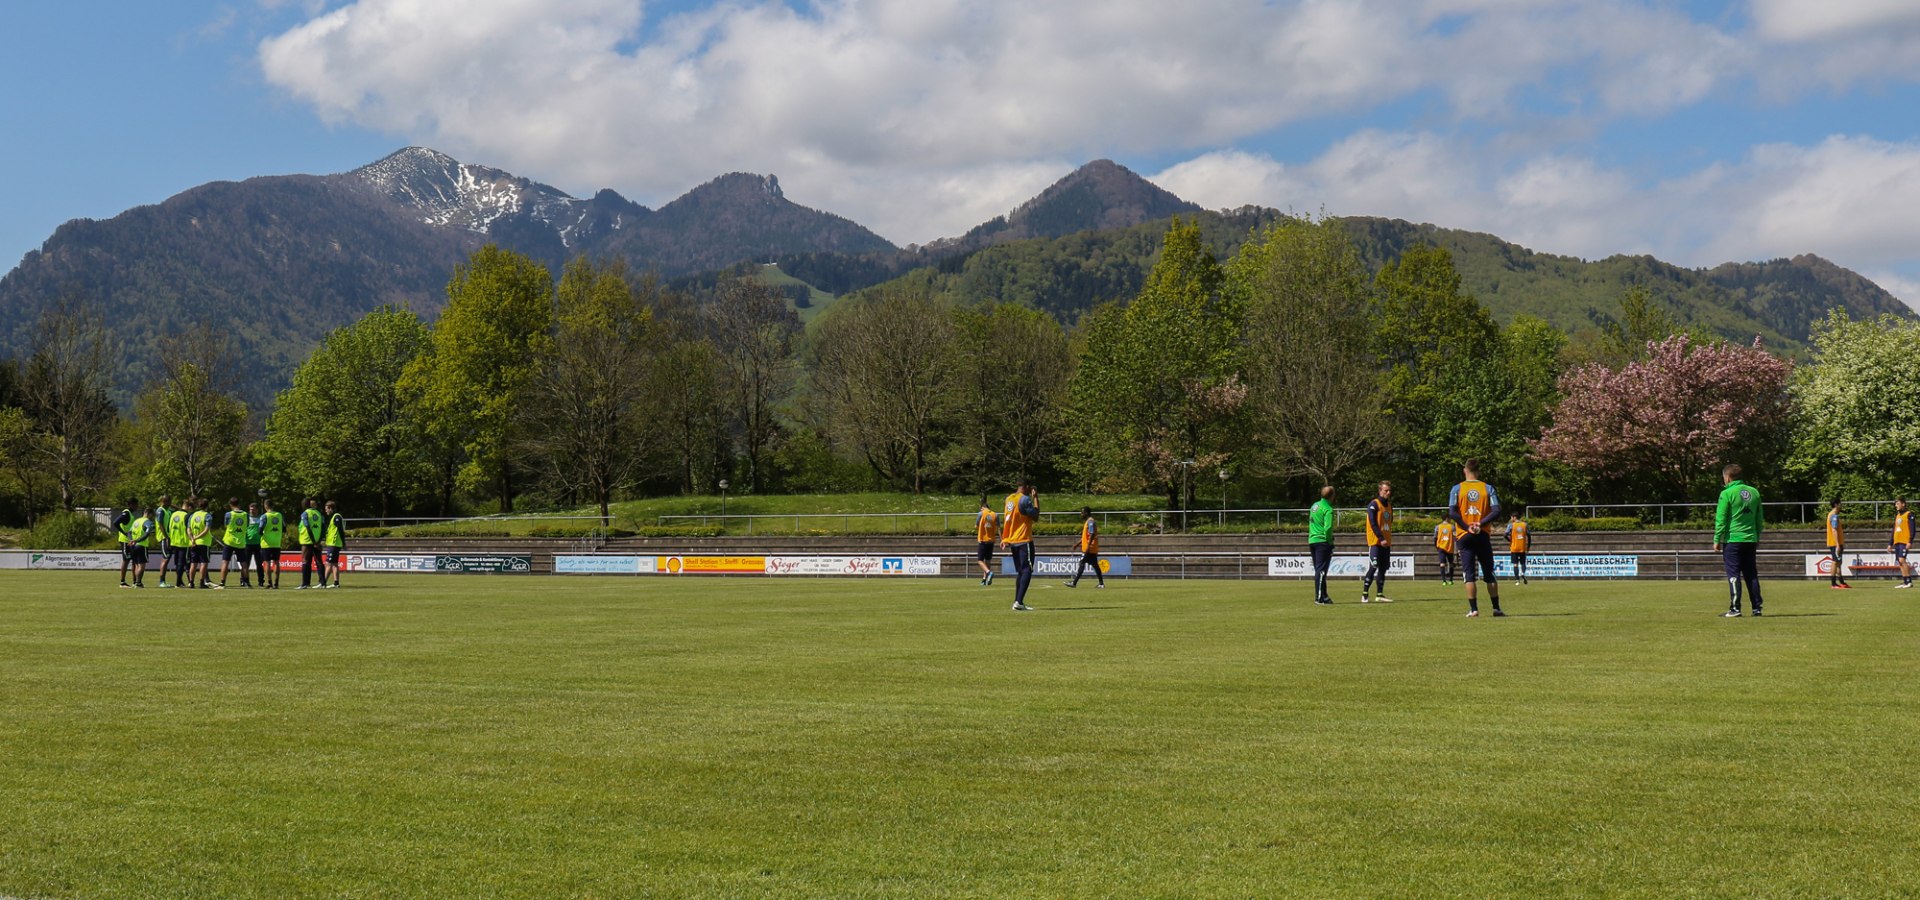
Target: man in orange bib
(1474, 508)
(1089, 549)
(987, 529)
(1016, 535)
(1902, 536)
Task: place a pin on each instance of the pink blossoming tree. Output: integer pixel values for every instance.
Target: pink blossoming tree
(1666, 423)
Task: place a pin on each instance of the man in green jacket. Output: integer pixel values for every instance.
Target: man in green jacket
(1736, 535)
(1320, 543)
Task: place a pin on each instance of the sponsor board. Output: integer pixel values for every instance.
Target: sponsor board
(711, 565)
(1820, 565)
(1555, 565)
(1343, 567)
(387, 562)
(1118, 565)
(496, 564)
(62, 560)
(852, 565)
(598, 564)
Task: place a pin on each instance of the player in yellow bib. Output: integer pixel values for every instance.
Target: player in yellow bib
(1474, 509)
(1379, 544)
(986, 528)
(1519, 544)
(1016, 535)
(1089, 549)
(1836, 547)
(1902, 536)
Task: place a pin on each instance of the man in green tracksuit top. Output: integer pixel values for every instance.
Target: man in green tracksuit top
(1320, 543)
(1736, 534)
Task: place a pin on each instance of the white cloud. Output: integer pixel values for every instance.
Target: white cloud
(879, 103)
(1803, 20)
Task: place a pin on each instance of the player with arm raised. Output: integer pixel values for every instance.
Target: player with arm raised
(1016, 536)
(1474, 508)
(1836, 546)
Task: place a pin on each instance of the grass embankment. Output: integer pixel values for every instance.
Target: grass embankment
(434, 736)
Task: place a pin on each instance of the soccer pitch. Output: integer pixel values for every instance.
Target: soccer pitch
(619, 737)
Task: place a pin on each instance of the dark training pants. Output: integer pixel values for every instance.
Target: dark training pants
(1743, 565)
(1022, 570)
(309, 560)
(1476, 558)
(1089, 561)
(1322, 564)
(1379, 559)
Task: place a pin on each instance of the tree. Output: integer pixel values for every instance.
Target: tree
(1013, 367)
(884, 373)
(1664, 424)
(65, 389)
(345, 426)
(589, 406)
(499, 311)
(189, 423)
(1852, 418)
(1157, 392)
(20, 456)
(686, 385)
(1315, 398)
(1441, 348)
(754, 332)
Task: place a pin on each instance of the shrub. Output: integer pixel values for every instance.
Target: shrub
(63, 531)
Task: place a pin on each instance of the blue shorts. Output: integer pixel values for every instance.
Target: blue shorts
(1476, 557)
(1899, 551)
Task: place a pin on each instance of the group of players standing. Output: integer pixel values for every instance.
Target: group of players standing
(184, 539)
(1011, 528)
(1464, 534)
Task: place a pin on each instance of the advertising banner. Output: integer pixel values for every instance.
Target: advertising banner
(852, 565)
(1343, 567)
(598, 564)
(377, 562)
(1819, 565)
(62, 560)
(1554, 565)
(1065, 566)
(711, 565)
(492, 564)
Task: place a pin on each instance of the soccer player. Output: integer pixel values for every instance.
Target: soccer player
(1902, 536)
(1474, 507)
(1379, 543)
(1443, 544)
(1737, 523)
(254, 559)
(309, 534)
(162, 516)
(200, 553)
(177, 544)
(987, 529)
(1089, 550)
(273, 528)
(1836, 547)
(1519, 542)
(335, 540)
(123, 535)
(1320, 543)
(1016, 537)
(140, 540)
(233, 542)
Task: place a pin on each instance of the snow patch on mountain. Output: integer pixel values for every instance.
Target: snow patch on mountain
(450, 193)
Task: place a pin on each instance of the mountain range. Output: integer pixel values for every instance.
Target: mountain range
(280, 260)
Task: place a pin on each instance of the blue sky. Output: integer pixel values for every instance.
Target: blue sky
(1699, 132)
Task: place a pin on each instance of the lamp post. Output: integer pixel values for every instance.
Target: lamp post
(1223, 498)
(1186, 484)
(723, 503)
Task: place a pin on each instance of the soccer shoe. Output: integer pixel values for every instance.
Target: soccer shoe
(218, 587)
(1382, 599)
(1068, 584)
(1730, 614)
(1363, 598)
(1324, 601)
(1498, 614)
(1756, 613)
(983, 582)
(1473, 614)
(139, 585)
(1845, 586)
(1904, 584)
(1020, 607)
(1100, 585)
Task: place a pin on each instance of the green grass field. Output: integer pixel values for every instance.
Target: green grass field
(536, 737)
